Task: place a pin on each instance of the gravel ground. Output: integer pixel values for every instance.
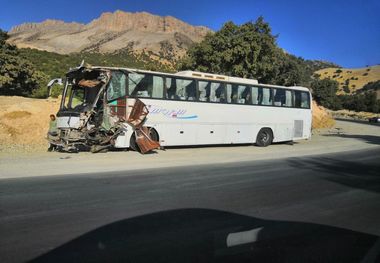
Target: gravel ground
(346, 136)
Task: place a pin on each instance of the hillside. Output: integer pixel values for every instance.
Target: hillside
(351, 80)
(56, 65)
(163, 36)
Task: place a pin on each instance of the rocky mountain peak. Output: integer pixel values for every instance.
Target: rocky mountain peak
(163, 36)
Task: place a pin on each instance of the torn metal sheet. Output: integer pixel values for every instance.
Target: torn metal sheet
(144, 140)
(138, 114)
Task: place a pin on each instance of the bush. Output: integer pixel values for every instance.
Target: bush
(361, 102)
(324, 92)
(346, 89)
(365, 74)
(338, 71)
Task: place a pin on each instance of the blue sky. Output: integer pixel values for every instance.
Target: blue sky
(345, 32)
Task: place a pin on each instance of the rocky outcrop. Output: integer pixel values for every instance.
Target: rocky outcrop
(109, 33)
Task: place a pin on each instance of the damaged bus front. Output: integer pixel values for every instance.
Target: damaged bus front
(89, 118)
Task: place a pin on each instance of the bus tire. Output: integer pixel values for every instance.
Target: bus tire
(133, 144)
(264, 137)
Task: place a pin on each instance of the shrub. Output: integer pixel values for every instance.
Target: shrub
(346, 89)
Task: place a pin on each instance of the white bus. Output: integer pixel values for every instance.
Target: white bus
(186, 108)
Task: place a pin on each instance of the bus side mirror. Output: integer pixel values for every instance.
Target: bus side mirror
(51, 83)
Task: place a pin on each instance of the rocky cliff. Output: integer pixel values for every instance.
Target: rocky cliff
(166, 37)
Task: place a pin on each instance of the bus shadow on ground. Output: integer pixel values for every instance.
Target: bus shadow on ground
(204, 235)
(353, 174)
(370, 139)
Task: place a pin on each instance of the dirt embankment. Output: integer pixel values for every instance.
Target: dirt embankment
(24, 122)
(321, 117)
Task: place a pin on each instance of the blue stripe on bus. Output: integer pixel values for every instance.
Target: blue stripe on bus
(188, 117)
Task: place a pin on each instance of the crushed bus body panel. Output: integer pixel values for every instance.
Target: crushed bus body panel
(88, 120)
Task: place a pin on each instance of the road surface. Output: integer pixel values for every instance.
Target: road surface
(320, 208)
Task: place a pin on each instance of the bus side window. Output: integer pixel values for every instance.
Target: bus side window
(217, 92)
(235, 94)
(170, 89)
(244, 96)
(140, 85)
(229, 93)
(266, 96)
(297, 99)
(255, 95)
(279, 97)
(185, 89)
(288, 98)
(116, 86)
(204, 90)
(305, 100)
(158, 87)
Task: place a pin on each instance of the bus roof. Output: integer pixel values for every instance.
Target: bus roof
(205, 76)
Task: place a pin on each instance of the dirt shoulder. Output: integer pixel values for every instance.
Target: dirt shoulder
(347, 136)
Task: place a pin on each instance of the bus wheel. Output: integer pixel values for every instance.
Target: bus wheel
(153, 134)
(133, 144)
(264, 137)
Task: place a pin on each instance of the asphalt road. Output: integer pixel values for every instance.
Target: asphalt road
(322, 208)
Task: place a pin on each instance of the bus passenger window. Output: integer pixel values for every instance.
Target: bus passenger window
(204, 90)
(180, 89)
(297, 99)
(255, 95)
(234, 94)
(158, 87)
(229, 93)
(217, 89)
(288, 98)
(191, 93)
(116, 86)
(305, 100)
(244, 96)
(266, 97)
(140, 85)
(282, 97)
(170, 89)
(279, 97)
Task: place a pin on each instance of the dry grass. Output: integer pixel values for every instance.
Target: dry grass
(321, 117)
(17, 114)
(357, 77)
(24, 122)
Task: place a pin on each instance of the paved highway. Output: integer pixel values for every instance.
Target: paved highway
(322, 208)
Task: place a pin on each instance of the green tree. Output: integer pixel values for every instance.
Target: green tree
(324, 92)
(17, 74)
(248, 51)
